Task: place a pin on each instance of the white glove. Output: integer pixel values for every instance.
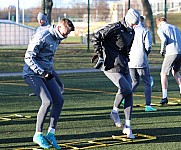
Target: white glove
(99, 63)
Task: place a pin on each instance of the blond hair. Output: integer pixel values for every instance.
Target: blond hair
(158, 20)
(67, 23)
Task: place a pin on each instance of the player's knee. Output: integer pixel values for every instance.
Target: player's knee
(46, 104)
(174, 72)
(127, 91)
(135, 84)
(59, 103)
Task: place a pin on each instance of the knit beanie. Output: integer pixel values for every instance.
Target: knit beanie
(132, 16)
(42, 16)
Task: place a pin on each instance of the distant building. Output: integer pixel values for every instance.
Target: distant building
(118, 9)
(158, 6)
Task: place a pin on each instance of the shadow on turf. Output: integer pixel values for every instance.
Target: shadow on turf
(64, 109)
(91, 116)
(162, 112)
(19, 112)
(88, 108)
(162, 134)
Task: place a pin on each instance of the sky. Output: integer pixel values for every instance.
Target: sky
(33, 3)
(25, 3)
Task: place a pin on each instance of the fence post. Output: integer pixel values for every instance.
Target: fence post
(165, 9)
(128, 4)
(88, 34)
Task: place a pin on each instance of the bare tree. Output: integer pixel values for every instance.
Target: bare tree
(43, 6)
(100, 10)
(47, 8)
(149, 17)
(78, 9)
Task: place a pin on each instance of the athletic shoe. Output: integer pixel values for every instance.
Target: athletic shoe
(164, 101)
(32, 94)
(149, 108)
(123, 101)
(41, 141)
(127, 130)
(152, 81)
(115, 117)
(50, 137)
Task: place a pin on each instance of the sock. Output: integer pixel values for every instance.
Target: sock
(180, 88)
(127, 123)
(164, 93)
(51, 130)
(115, 109)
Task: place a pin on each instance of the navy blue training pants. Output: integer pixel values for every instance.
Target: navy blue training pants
(50, 96)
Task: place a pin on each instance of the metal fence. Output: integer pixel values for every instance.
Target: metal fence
(12, 33)
(101, 13)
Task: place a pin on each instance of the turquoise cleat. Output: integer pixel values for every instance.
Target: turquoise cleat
(41, 141)
(50, 137)
(123, 101)
(149, 109)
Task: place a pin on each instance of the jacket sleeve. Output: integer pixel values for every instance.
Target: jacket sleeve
(99, 37)
(163, 40)
(148, 42)
(97, 40)
(34, 47)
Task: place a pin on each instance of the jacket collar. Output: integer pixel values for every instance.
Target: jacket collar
(54, 31)
(125, 25)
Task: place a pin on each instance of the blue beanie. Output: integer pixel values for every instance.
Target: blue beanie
(132, 16)
(42, 16)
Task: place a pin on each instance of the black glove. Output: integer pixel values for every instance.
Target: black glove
(94, 58)
(147, 52)
(162, 53)
(47, 76)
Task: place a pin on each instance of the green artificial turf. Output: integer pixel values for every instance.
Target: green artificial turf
(67, 57)
(85, 116)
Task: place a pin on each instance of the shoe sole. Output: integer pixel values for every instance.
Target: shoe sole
(128, 136)
(150, 110)
(52, 144)
(41, 146)
(164, 103)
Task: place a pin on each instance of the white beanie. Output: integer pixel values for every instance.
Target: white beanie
(132, 16)
(42, 16)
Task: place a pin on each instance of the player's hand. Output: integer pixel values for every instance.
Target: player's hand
(47, 76)
(162, 54)
(62, 88)
(99, 63)
(44, 74)
(94, 58)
